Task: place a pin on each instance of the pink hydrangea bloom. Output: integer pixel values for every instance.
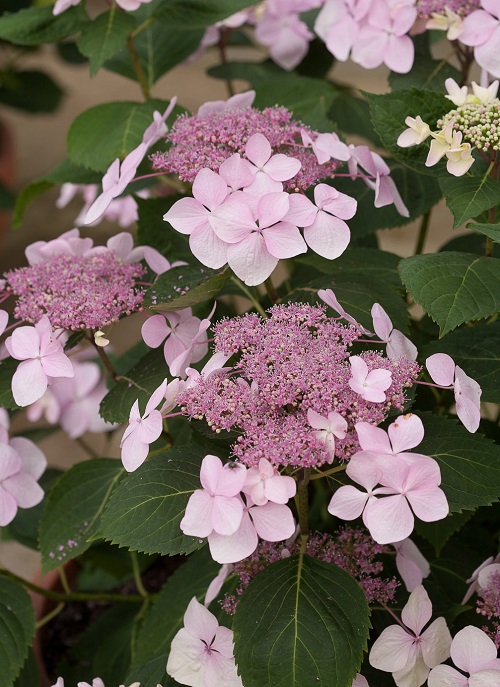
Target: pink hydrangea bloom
(22, 464)
(338, 24)
(398, 345)
(271, 522)
(264, 483)
(388, 511)
(369, 384)
(473, 580)
(383, 39)
(68, 243)
(481, 30)
(326, 147)
(410, 652)
(406, 432)
(142, 430)
(4, 321)
(240, 101)
(286, 35)
(327, 429)
(43, 359)
(473, 652)
(217, 507)
(324, 228)
(202, 652)
(269, 170)
(257, 242)
(184, 335)
(411, 564)
(192, 216)
(444, 372)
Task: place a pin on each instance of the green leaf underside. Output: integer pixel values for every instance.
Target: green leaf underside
(111, 130)
(17, 628)
(388, 113)
(470, 463)
(73, 510)
(476, 350)
(183, 287)
(198, 13)
(468, 196)
(491, 230)
(36, 25)
(164, 617)
(301, 622)
(105, 36)
(146, 508)
(453, 287)
(138, 383)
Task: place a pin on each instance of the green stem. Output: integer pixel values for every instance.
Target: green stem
(104, 358)
(225, 33)
(139, 71)
(422, 233)
(137, 575)
(64, 580)
(142, 26)
(327, 473)
(271, 291)
(249, 295)
(74, 596)
(302, 503)
(47, 618)
(88, 449)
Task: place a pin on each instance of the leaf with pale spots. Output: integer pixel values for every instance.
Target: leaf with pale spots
(184, 287)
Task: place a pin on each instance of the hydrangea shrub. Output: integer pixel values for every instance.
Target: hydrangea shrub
(307, 461)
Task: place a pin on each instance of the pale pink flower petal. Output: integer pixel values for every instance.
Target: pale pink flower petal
(250, 260)
(197, 520)
(154, 331)
(392, 650)
(235, 547)
(25, 490)
(435, 643)
(258, 150)
(418, 610)
(29, 382)
(441, 368)
(467, 399)
(388, 518)
(348, 503)
(273, 522)
(8, 507)
(186, 215)
(226, 514)
(4, 320)
(485, 678)
(216, 584)
(446, 676)
(327, 235)
(406, 432)
(411, 564)
(472, 650)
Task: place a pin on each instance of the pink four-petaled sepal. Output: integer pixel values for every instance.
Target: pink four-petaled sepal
(142, 430)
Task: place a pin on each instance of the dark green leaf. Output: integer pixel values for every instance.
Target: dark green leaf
(491, 230)
(467, 196)
(302, 95)
(7, 197)
(32, 91)
(438, 533)
(352, 115)
(73, 510)
(26, 197)
(256, 73)
(467, 243)
(152, 230)
(164, 617)
(389, 112)
(470, 463)
(146, 508)
(105, 36)
(17, 628)
(300, 622)
(198, 13)
(29, 674)
(7, 369)
(183, 287)
(379, 264)
(476, 350)
(105, 132)
(37, 25)
(138, 383)
(453, 287)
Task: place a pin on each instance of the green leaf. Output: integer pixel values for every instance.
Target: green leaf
(300, 622)
(37, 25)
(185, 286)
(418, 192)
(65, 172)
(31, 91)
(468, 196)
(147, 506)
(164, 617)
(453, 287)
(138, 383)
(491, 230)
(352, 114)
(379, 264)
(152, 230)
(29, 674)
(388, 113)
(198, 13)
(7, 369)
(256, 73)
(105, 132)
(73, 510)
(470, 463)
(17, 628)
(426, 71)
(438, 533)
(7, 197)
(476, 351)
(105, 36)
